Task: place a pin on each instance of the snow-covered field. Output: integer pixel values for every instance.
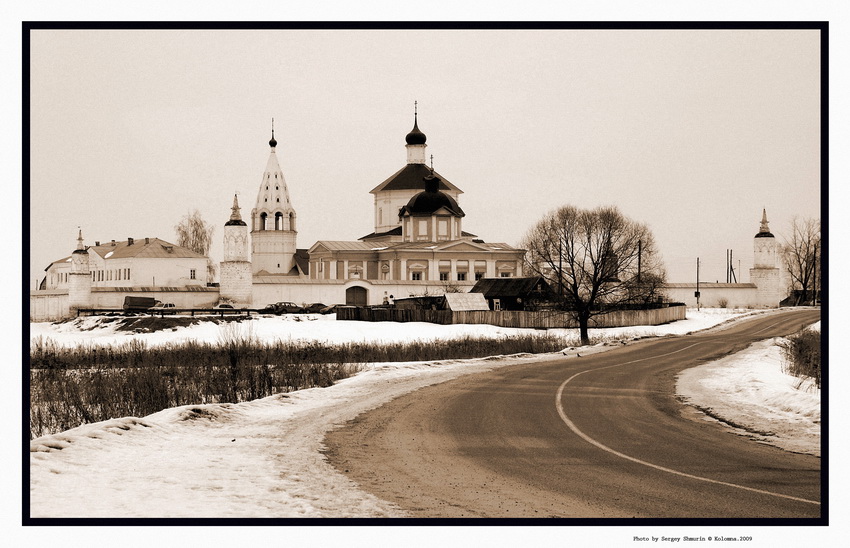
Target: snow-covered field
(263, 458)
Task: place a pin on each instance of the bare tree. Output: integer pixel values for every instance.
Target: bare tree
(196, 234)
(595, 260)
(802, 257)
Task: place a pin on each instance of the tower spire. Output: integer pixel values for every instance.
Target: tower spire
(80, 244)
(235, 215)
(272, 142)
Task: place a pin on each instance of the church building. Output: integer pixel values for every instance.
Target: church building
(418, 246)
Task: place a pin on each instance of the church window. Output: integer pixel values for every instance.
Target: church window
(278, 200)
(192, 274)
(443, 229)
(278, 221)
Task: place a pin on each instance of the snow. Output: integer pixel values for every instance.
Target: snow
(263, 458)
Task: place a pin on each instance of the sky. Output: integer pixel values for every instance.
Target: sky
(693, 132)
(272, 446)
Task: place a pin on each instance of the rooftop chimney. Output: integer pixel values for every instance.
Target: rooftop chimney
(129, 241)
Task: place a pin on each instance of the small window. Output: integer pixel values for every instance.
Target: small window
(461, 276)
(192, 274)
(497, 304)
(478, 276)
(415, 275)
(444, 276)
(506, 274)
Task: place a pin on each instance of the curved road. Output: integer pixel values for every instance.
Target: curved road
(598, 436)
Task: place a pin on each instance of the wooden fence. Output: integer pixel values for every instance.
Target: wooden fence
(514, 318)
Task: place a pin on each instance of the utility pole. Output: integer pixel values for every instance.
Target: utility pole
(696, 294)
(732, 269)
(640, 251)
(815, 277)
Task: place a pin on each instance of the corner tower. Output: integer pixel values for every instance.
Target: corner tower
(765, 274)
(236, 279)
(79, 279)
(273, 231)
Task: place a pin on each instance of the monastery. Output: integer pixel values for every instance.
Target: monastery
(418, 247)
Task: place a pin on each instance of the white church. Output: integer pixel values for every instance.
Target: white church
(418, 247)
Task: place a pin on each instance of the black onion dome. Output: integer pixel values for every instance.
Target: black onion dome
(235, 222)
(415, 137)
(431, 200)
(765, 235)
(272, 141)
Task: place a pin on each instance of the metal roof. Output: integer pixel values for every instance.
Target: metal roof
(466, 301)
(143, 248)
(412, 177)
(507, 287)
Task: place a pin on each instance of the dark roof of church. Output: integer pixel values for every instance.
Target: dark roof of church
(427, 202)
(394, 232)
(411, 177)
(302, 260)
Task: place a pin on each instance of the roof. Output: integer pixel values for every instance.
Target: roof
(142, 248)
(394, 232)
(302, 260)
(466, 301)
(707, 285)
(397, 231)
(446, 245)
(411, 177)
(507, 287)
(428, 203)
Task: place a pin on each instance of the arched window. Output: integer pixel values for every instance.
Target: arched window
(278, 221)
(262, 221)
(292, 221)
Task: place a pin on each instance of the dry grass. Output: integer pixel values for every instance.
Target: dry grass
(90, 383)
(802, 353)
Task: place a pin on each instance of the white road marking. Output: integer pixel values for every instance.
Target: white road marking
(592, 441)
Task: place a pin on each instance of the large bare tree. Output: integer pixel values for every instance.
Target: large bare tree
(595, 260)
(802, 257)
(196, 234)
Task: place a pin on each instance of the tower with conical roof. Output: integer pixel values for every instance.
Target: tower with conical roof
(765, 274)
(273, 229)
(79, 278)
(236, 278)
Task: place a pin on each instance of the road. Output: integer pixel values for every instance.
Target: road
(598, 436)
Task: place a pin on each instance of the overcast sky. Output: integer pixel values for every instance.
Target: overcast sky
(691, 132)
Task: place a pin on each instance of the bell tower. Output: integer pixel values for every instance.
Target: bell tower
(273, 228)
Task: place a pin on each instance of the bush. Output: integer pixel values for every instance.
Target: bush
(802, 355)
(89, 383)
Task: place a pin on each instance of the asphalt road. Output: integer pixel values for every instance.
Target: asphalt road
(598, 436)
